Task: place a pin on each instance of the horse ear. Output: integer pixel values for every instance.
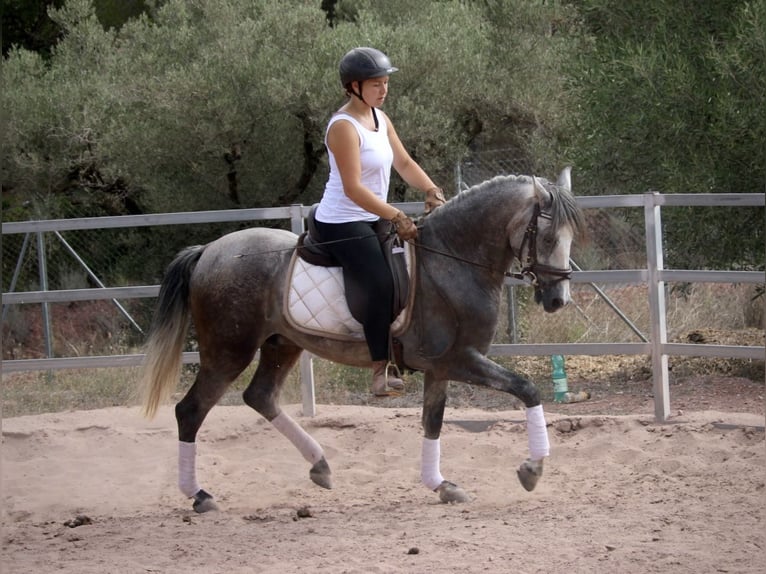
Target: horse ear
(565, 179)
(543, 195)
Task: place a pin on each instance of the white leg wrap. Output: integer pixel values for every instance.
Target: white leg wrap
(537, 433)
(429, 464)
(187, 468)
(302, 440)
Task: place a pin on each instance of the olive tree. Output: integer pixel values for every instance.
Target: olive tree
(208, 104)
(671, 99)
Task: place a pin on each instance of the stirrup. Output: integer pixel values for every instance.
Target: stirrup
(394, 380)
(391, 385)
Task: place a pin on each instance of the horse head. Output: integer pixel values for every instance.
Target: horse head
(547, 239)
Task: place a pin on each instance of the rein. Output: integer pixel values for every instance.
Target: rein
(530, 270)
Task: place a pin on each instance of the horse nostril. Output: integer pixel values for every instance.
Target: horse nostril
(557, 303)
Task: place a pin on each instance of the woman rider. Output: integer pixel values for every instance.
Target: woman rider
(362, 146)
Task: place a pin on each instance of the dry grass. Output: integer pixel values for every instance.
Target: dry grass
(54, 391)
(591, 319)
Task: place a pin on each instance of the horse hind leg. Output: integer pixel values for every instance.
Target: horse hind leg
(278, 356)
(209, 386)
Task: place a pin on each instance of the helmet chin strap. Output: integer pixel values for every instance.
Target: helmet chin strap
(359, 95)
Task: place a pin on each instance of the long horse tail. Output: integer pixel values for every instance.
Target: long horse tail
(162, 364)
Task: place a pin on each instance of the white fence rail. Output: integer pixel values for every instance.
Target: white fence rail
(654, 276)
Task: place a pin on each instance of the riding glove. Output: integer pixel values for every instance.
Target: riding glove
(434, 198)
(404, 226)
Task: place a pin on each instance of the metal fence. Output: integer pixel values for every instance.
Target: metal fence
(648, 281)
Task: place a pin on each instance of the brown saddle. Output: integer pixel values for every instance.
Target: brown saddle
(311, 250)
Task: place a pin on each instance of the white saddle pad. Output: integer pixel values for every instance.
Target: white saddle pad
(315, 301)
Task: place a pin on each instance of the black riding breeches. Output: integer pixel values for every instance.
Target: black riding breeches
(360, 253)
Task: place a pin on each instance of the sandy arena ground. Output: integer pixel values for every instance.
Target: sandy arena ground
(95, 492)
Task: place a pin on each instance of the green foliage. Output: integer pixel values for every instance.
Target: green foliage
(55, 113)
(671, 98)
(223, 103)
(223, 81)
(212, 104)
(647, 92)
(532, 46)
(114, 13)
(26, 24)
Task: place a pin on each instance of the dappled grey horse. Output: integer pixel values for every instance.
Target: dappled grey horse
(233, 289)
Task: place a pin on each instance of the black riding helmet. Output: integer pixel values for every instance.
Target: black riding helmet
(362, 64)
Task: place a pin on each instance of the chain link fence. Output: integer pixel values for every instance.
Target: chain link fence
(613, 313)
(521, 321)
(88, 258)
(137, 256)
(481, 166)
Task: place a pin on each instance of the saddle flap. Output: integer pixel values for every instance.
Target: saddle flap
(316, 300)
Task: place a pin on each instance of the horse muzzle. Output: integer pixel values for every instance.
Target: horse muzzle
(553, 296)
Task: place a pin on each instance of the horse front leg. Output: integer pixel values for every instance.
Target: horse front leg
(531, 470)
(434, 401)
(476, 369)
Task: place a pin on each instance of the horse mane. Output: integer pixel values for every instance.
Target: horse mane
(563, 208)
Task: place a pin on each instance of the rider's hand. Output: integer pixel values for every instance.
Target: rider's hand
(405, 227)
(434, 199)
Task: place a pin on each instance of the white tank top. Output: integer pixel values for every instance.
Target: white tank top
(376, 157)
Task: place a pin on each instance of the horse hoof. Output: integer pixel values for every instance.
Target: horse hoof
(203, 502)
(529, 473)
(450, 493)
(321, 475)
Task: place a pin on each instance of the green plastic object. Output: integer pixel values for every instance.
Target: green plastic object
(560, 388)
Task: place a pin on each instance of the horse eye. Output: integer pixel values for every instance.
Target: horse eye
(550, 241)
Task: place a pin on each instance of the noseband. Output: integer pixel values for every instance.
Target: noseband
(531, 268)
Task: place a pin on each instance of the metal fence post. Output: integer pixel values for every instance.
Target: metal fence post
(307, 385)
(656, 287)
(306, 364)
(42, 267)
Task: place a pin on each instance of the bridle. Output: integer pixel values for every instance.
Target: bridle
(531, 268)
